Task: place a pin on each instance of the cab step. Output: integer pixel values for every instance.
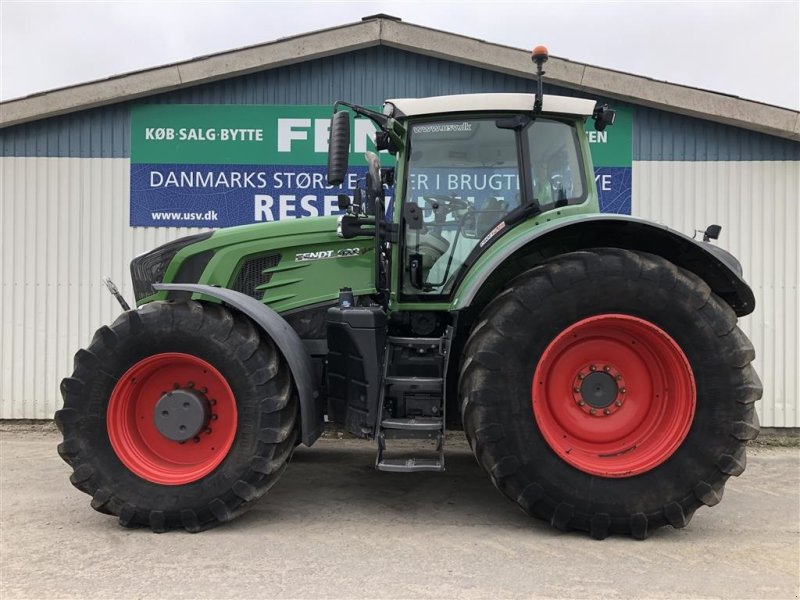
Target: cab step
(414, 342)
(413, 424)
(426, 394)
(420, 383)
(409, 465)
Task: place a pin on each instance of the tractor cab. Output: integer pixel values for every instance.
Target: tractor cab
(469, 169)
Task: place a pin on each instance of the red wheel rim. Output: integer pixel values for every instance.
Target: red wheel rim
(132, 430)
(614, 395)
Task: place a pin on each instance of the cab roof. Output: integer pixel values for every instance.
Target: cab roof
(414, 107)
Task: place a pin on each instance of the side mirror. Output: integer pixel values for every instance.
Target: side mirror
(338, 147)
(712, 232)
(603, 117)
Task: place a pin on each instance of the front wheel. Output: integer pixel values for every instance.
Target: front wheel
(178, 415)
(609, 391)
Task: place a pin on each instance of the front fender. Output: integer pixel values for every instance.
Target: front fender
(524, 245)
(285, 338)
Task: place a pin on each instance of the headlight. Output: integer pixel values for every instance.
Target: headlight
(149, 268)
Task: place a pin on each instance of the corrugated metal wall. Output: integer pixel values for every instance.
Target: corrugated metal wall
(64, 211)
(757, 205)
(64, 224)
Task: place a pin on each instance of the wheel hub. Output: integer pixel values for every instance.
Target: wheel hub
(599, 391)
(181, 414)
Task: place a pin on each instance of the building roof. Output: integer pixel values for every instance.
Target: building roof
(390, 31)
(410, 107)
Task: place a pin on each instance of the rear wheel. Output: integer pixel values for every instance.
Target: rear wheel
(177, 415)
(609, 391)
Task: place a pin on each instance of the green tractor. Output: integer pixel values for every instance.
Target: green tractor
(593, 360)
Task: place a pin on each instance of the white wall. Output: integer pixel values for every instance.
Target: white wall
(64, 224)
(757, 205)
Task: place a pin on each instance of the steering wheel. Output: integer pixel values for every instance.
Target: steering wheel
(442, 205)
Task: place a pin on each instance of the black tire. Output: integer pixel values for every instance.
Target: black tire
(266, 423)
(505, 347)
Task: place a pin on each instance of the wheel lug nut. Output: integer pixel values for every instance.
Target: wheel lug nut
(204, 390)
(606, 368)
(581, 376)
(622, 390)
(592, 411)
(214, 417)
(592, 368)
(208, 429)
(618, 403)
(581, 402)
(576, 390)
(196, 439)
(607, 412)
(619, 377)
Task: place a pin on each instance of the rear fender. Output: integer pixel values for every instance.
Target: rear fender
(511, 254)
(285, 338)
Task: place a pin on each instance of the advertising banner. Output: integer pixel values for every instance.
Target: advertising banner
(612, 155)
(223, 165)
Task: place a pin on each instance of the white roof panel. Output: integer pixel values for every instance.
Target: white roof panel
(412, 107)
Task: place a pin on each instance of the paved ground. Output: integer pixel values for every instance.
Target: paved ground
(335, 528)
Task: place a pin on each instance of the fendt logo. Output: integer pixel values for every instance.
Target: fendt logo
(323, 254)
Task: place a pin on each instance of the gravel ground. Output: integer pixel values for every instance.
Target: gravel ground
(335, 528)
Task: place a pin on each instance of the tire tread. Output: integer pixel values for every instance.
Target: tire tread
(278, 412)
(497, 327)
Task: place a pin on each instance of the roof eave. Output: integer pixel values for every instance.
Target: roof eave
(131, 86)
(662, 95)
(729, 110)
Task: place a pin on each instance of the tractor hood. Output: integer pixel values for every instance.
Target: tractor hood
(273, 229)
(284, 264)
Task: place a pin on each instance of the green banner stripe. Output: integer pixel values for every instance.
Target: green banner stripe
(287, 135)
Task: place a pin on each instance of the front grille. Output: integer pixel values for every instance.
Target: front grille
(149, 268)
(251, 275)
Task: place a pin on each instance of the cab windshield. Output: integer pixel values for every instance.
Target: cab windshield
(464, 177)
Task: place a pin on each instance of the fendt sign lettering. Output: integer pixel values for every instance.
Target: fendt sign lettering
(218, 165)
